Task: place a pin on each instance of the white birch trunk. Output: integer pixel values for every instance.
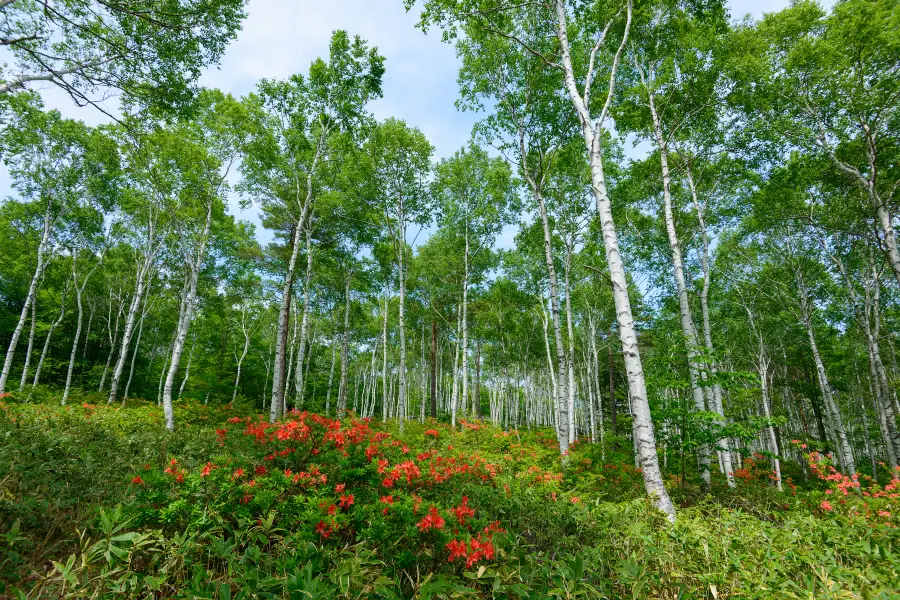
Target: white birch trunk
(644, 438)
(719, 407)
(195, 259)
(345, 351)
(29, 298)
(79, 292)
(688, 330)
(29, 350)
(831, 407)
(304, 324)
(53, 326)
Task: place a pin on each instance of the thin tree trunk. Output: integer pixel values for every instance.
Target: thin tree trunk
(195, 263)
(477, 399)
(187, 368)
(137, 346)
(465, 320)
(401, 382)
(53, 326)
(29, 298)
(433, 368)
(718, 405)
(240, 361)
(276, 407)
(644, 438)
(571, 357)
(688, 330)
(345, 350)
(28, 351)
(304, 326)
(330, 379)
(141, 283)
(846, 452)
(113, 333)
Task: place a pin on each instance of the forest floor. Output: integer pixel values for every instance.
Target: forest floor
(103, 502)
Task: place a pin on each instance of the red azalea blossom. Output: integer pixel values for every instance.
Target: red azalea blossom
(433, 520)
(346, 501)
(323, 529)
(238, 473)
(138, 480)
(207, 470)
(457, 549)
(463, 511)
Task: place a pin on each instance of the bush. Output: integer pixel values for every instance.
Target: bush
(102, 501)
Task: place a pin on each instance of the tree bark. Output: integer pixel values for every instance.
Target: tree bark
(688, 330)
(718, 404)
(401, 323)
(79, 292)
(195, 260)
(53, 326)
(29, 298)
(831, 407)
(345, 351)
(304, 324)
(644, 438)
(433, 368)
(29, 350)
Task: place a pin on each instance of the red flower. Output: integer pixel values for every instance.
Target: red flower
(138, 480)
(433, 520)
(260, 470)
(339, 488)
(346, 501)
(457, 549)
(463, 511)
(207, 470)
(826, 505)
(238, 473)
(323, 529)
(432, 432)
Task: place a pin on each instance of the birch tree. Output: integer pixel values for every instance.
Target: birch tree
(397, 166)
(61, 169)
(475, 196)
(293, 124)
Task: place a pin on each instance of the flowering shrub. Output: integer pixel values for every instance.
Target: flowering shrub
(317, 507)
(846, 496)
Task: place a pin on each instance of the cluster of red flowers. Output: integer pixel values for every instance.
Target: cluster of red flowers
(432, 520)
(326, 530)
(463, 511)
(433, 433)
(175, 471)
(477, 549)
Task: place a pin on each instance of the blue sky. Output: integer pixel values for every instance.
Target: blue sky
(282, 37)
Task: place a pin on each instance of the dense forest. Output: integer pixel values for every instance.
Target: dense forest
(691, 345)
